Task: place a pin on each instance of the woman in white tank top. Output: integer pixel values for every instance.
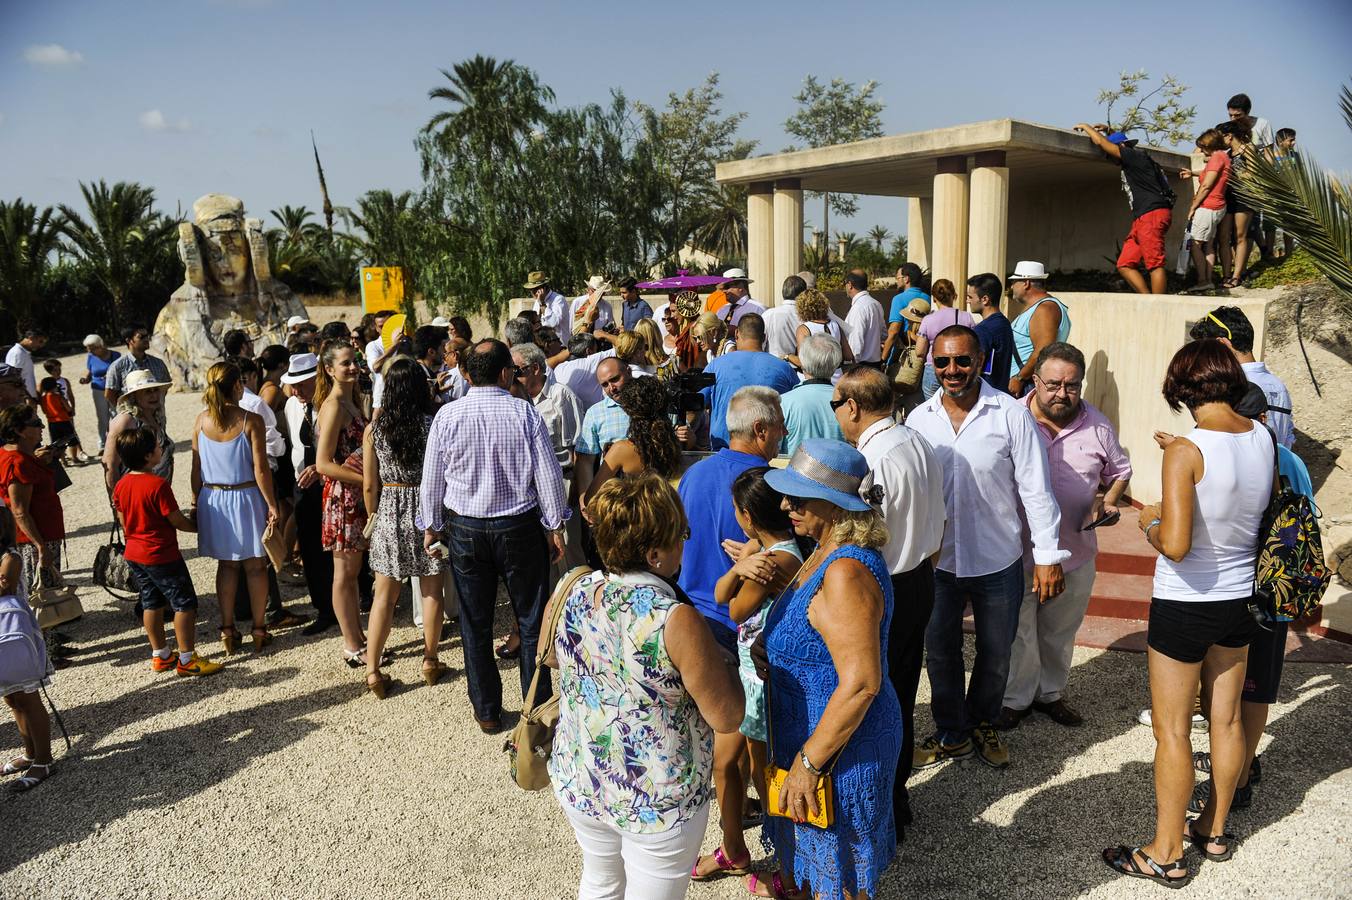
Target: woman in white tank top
(1217, 480)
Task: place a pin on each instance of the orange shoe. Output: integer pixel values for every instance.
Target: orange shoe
(199, 666)
(164, 665)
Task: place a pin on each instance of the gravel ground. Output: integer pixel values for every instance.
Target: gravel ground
(281, 778)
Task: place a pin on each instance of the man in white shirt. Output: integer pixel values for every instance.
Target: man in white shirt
(578, 372)
(592, 306)
(20, 356)
(864, 321)
(905, 484)
(1231, 327)
(1241, 107)
(994, 465)
(375, 349)
(737, 287)
(551, 306)
(300, 418)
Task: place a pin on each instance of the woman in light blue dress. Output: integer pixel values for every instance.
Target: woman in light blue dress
(232, 482)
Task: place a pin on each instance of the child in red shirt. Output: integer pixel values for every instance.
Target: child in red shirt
(58, 404)
(149, 515)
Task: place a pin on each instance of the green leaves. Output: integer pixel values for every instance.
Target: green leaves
(28, 238)
(1159, 115)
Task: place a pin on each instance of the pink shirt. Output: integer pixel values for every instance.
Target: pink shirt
(937, 321)
(1218, 162)
(1083, 457)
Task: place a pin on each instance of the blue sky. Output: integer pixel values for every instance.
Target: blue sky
(221, 95)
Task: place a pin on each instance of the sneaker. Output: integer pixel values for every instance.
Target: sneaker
(931, 752)
(163, 665)
(989, 748)
(199, 666)
(1202, 793)
(1199, 722)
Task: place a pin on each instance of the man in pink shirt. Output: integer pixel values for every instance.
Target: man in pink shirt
(1084, 456)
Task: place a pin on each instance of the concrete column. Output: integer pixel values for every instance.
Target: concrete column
(760, 235)
(919, 230)
(949, 251)
(988, 216)
(788, 239)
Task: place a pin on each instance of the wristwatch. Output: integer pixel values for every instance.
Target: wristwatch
(807, 764)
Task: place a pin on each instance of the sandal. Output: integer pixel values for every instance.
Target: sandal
(230, 639)
(1122, 860)
(433, 669)
(725, 868)
(17, 765)
(30, 781)
(380, 686)
(1199, 842)
(777, 889)
(1201, 761)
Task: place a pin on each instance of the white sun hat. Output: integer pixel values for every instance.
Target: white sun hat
(736, 275)
(1029, 270)
(301, 367)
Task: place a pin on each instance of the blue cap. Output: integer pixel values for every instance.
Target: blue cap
(824, 470)
(1119, 138)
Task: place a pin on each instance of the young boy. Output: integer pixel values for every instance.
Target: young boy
(67, 423)
(149, 514)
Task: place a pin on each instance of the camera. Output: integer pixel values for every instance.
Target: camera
(683, 392)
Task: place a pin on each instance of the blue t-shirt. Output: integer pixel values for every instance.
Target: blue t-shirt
(1292, 468)
(903, 300)
(735, 371)
(997, 343)
(808, 414)
(706, 493)
(98, 369)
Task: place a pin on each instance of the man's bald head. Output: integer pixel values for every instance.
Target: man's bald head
(612, 374)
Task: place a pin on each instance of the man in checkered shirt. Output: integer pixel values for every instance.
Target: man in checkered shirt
(490, 460)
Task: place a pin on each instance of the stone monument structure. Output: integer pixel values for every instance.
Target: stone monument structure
(227, 284)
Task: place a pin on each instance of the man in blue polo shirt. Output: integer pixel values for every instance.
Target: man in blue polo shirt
(749, 364)
(756, 426)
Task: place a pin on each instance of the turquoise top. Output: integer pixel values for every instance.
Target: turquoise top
(1023, 338)
(808, 414)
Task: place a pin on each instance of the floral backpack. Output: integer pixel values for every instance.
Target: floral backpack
(1291, 575)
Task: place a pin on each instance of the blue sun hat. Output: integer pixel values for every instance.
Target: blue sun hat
(824, 470)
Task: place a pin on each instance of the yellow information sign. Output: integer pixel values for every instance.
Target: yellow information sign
(381, 288)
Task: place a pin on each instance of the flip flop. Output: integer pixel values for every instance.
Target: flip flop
(725, 868)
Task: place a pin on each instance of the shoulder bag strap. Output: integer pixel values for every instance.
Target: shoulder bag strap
(550, 628)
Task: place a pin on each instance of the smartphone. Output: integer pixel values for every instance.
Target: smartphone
(1108, 518)
(438, 550)
(61, 444)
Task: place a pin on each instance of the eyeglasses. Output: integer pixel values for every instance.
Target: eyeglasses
(520, 371)
(796, 504)
(1072, 388)
(963, 362)
(1224, 327)
(837, 404)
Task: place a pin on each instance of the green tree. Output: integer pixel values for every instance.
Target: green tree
(126, 245)
(837, 113)
(879, 235)
(1157, 113)
(682, 143)
(296, 226)
(493, 104)
(28, 238)
(1307, 202)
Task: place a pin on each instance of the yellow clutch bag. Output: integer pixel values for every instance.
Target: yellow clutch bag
(774, 783)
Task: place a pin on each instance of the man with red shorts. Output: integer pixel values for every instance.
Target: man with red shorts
(1152, 203)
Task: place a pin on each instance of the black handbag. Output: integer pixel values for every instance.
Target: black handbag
(111, 571)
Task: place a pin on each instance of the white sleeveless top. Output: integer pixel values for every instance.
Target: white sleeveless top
(1227, 512)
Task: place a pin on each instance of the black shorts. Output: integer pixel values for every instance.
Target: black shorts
(1186, 629)
(284, 479)
(1267, 653)
(59, 430)
(166, 584)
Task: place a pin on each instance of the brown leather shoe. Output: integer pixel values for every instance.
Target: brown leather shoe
(1060, 713)
(489, 726)
(1010, 718)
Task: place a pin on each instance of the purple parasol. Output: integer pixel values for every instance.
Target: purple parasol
(681, 282)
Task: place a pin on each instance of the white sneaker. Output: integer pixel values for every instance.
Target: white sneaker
(1198, 722)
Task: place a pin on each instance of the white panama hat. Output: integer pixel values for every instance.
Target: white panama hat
(1028, 270)
(142, 380)
(736, 275)
(301, 367)
(296, 320)
(598, 283)
(441, 322)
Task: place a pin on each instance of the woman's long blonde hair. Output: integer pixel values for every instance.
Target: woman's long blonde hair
(220, 393)
(631, 346)
(323, 380)
(652, 336)
(713, 330)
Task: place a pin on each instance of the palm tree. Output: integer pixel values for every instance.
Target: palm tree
(296, 225)
(721, 228)
(27, 240)
(494, 104)
(123, 242)
(879, 235)
(1307, 202)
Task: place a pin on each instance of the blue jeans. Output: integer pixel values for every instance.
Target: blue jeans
(513, 549)
(995, 602)
(929, 382)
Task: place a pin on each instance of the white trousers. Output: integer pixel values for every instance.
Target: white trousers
(1045, 642)
(450, 599)
(618, 865)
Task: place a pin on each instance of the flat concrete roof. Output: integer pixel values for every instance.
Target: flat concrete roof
(902, 165)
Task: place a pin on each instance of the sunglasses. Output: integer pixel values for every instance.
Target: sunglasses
(32, 423)
(1224, 327)
(837, 404)
(963, 362)
(796, 504)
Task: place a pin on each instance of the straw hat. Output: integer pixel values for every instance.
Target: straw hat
(916, 310)
(535, 280)
(142, 380)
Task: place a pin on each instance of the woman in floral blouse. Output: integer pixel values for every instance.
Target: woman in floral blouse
(642, 687)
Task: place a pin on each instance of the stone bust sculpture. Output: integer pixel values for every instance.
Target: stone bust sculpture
(227, 284)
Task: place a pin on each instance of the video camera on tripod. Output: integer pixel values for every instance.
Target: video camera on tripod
(683, 392)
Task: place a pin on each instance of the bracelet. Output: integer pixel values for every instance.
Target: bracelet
(807, 764)
(1154, 523)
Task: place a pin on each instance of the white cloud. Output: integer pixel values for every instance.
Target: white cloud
(52, 55)
(154, 120)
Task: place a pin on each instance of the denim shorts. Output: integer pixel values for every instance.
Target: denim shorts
(166, 584)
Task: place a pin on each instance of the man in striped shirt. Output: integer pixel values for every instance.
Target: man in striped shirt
(490, 460)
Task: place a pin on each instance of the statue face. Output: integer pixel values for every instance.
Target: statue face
(228, 258)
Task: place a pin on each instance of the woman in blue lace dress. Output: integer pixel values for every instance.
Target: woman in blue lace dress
(832, 710)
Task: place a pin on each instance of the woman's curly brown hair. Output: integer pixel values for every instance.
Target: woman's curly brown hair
(650, 431)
